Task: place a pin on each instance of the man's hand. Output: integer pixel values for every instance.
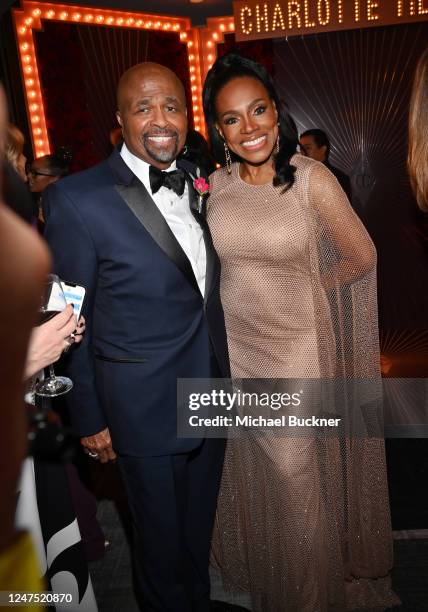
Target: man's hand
(99, 444)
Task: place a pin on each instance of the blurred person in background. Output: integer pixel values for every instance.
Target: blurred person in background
(316, 145)
(48, 169)
(417, 160)
(44, 171)
(20, 287)
(14, 150)
(15, 192)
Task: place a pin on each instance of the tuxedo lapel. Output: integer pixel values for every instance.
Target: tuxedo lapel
(212, 259)
(211, 254)
(136, 196)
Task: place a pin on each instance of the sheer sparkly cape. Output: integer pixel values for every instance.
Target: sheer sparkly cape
(302, 524)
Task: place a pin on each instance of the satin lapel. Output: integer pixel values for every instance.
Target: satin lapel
(209, 247)
(141, 204)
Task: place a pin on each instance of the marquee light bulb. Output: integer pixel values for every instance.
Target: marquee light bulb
(28, 19)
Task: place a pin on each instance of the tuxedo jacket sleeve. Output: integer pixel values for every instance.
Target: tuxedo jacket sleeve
(75, 261)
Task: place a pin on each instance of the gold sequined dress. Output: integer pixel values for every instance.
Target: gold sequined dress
(303, 524)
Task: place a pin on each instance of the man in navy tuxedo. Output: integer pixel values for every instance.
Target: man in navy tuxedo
(129, 230)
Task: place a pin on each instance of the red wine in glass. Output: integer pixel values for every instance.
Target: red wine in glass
(53, 302)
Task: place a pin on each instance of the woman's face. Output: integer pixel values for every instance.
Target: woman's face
(39, 176)
(247, 119)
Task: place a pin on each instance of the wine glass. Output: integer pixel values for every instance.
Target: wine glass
(53, 302)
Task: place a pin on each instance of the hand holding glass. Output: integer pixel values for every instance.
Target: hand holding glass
(53, 302)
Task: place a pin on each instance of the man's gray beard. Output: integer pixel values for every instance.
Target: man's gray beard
(163, 156)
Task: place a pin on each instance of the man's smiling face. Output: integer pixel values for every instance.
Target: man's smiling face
(152, 114)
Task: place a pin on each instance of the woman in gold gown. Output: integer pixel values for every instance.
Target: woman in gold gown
(303, 523)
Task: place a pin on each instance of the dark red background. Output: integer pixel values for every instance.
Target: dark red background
(79, 69)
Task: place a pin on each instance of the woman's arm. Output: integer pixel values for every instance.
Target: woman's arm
(349, 251)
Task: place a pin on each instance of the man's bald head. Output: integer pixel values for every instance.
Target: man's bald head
(146, 71)
(152, 113)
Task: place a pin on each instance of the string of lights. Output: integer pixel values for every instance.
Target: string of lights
(201, 50)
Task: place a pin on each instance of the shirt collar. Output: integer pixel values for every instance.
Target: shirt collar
(138, 166)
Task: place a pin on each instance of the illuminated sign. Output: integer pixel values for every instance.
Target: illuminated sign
(30, 18)
(275, 18)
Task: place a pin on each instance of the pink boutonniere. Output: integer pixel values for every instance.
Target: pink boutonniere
(201, 185)
(202, 188)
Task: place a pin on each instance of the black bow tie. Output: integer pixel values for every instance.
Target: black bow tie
(174, 180)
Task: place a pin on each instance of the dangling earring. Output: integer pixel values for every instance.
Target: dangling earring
(228, 159)
(184, 151)
(277, 141)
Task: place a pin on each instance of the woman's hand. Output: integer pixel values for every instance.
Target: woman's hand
(48, 341)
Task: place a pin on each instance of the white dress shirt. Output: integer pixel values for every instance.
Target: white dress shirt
(176, 211)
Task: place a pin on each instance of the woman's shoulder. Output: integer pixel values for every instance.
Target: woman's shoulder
(309, 170)
(221, 179)
(303, 163)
